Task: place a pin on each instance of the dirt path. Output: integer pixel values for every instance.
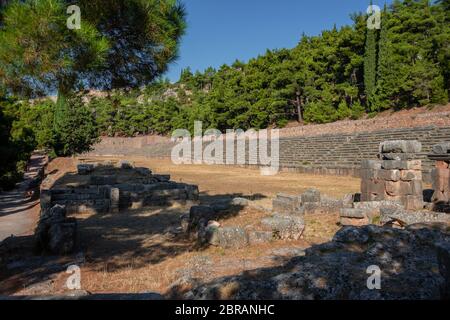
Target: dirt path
(18, 210)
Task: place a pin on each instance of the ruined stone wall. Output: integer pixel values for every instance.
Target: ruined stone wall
(338, 152)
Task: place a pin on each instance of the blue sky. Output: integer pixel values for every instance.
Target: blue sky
(220, 31)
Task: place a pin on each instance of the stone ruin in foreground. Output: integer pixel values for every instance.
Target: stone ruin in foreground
(391, 193)
(102, 188)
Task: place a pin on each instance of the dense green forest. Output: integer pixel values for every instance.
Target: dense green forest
(341, 73)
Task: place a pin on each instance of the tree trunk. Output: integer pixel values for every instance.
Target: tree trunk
(299, 107)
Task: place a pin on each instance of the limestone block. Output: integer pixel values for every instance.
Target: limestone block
(441, 179)
(285, 204)
(103, 180)
(408, 175)
(397, 156)
(114, 198)
(310, 195)
(284, 227)
(401, 146)
(370, 164)
(368, 174)
(257, 237)
(85, 168)
(441, 164)
(231, 237)
(441, 148)
(345, 221)
(402, 165)
(416, 188)
(391, 175)
(375, 190)
(413, 203)
(394, 188)
(355, 213)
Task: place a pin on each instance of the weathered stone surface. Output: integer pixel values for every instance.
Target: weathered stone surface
(232, 237)
(62, 237)
(407, 217)
(143, 171)
(338, 269)
(402, 165)
(390, 175)
(125, 164)
(103, 180)
(85, 168)
(114, 197)
(284, 227)
(401, 146)
(414, 203)
(398, 156)
(376, 205)
(285, 204)
(408, 175)
(441, 148)
(351, 235)
(198, 214)
(325, 206)
(240, 202)
(353, 213)
(443, 255)
(257, 237)
(370, 164)
(310, 195)
(55, 233)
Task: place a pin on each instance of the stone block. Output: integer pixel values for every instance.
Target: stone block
(231, 237)
(310, 195)
(443, 257)
(441, 148)
(391, 175)
(368, 174)
(62, 237)
(408, 175)
(416, 188)
(114, 197)
(402, 165)
(257, 237)
(441, 178)
(401, 146)
(125, 164)
(240, 202)
(198, 214)
(370, 164)
(355, 213)
(85, 168)
(375, 187)
(393, 188)
(414, 203)
(143, 171)
(441, 164)
(345, 221)
(397, 156)
(103, 180)
(45, 199)
(285, 204)
(284, 227)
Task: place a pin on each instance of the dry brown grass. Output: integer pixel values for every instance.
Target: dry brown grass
(142, 250)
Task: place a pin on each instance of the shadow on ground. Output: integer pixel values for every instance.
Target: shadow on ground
(107, 242)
